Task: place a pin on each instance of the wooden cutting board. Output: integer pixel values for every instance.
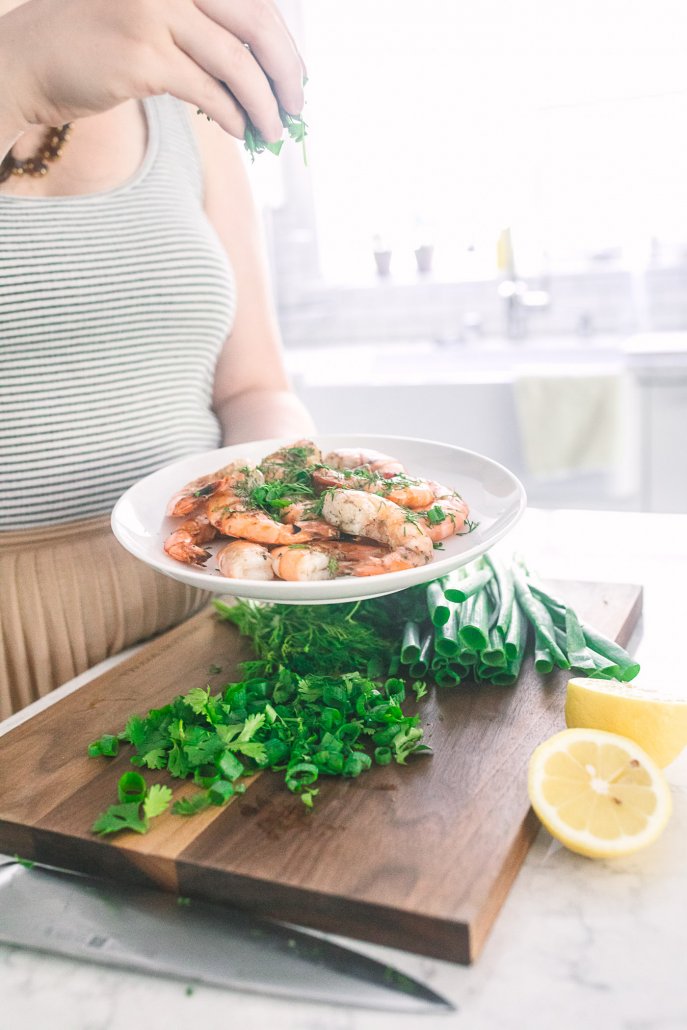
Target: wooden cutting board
(418, 857)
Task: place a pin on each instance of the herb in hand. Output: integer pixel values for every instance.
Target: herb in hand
(295, 127)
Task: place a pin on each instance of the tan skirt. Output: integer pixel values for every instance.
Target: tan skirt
(70, 596)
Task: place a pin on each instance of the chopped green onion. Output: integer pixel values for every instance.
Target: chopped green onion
(230, 766)
(131, 788)
(107, 745)
(220, 792)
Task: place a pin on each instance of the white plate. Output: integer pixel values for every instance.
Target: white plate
(496, 499)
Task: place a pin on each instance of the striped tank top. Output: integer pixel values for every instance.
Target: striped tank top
(114, 307)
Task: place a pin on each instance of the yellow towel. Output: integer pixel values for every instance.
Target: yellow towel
(572, 423)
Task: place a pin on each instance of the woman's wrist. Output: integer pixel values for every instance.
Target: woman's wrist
(264, 414)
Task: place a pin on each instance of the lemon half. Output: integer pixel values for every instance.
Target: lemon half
(658, 724)
(598, 793)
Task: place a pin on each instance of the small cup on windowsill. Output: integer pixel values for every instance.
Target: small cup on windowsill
(383, 262)
(424, 255)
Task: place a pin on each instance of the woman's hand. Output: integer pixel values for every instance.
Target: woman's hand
(61, 60)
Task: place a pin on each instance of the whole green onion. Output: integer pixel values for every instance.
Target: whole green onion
(504, 579)
(540, 618)
(460, 590)
(419, 667)
(494, 654)
(447, 678)
(411, 643)
(474, 621)
(439, 611)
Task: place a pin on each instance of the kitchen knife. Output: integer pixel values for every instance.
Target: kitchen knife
(150, 931)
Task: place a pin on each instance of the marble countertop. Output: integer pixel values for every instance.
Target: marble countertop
(426, 362)
(577, 944)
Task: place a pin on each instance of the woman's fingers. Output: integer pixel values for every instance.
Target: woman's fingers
(189, 82)
(226, 58)
(259, 24)
(304, 70)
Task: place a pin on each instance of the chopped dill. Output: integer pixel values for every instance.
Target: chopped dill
(324, 639)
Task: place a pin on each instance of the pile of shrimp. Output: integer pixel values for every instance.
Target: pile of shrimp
(346, 513)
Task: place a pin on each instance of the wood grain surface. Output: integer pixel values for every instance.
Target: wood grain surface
(418, 857)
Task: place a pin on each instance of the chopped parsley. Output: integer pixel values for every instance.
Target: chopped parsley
(317, 701)
(296, 130)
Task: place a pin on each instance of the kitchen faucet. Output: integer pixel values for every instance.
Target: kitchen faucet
(515, 291)
(519, 298)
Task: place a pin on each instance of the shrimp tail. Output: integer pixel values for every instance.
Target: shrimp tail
(317, 529)
(184, 544)
(194, 495)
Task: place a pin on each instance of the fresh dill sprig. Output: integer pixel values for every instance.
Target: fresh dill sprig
(321, 639)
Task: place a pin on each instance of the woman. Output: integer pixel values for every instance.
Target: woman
(135, 321)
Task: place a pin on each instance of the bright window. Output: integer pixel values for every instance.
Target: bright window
(443, 122)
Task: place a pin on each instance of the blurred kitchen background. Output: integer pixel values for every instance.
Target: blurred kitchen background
(488, 245)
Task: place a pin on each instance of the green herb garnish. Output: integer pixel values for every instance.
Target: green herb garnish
(314, 703)
(296, 130)
(138, 805)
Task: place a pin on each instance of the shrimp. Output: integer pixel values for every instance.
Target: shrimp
(234, 516)
(368, 515)
(451, 506)
(401, 489)
(322, 559)
(301, 514)
(194, 494)
(243, 559)
(375, 461)
(296, 456)
(184, 543)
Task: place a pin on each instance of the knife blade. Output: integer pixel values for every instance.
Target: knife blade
(150, 931)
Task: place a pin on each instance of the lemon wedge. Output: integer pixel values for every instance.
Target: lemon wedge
(598, 793)
(657, 723)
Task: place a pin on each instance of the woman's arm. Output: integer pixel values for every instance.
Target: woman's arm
(252, 396)
(61, 60)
